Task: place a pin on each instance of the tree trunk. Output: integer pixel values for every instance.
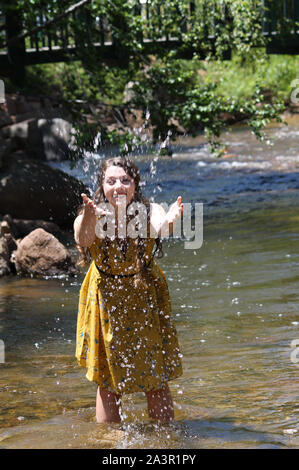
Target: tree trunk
(15, 50)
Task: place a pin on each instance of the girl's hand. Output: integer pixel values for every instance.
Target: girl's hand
(90, 209)
(175, 211)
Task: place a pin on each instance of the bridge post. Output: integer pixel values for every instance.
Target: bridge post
(15, 49)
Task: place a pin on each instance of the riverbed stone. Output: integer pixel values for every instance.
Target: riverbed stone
(56, 138)
(19, 228)
(4, 257)
(22, 227)
(48, 139)
(7, 246)
(30, 189)
(40, 253)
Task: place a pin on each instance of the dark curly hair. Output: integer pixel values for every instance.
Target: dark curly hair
(131, 169)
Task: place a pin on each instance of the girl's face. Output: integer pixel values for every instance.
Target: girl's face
(118, 183)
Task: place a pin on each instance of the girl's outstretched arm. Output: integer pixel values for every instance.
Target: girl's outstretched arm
(84, 225)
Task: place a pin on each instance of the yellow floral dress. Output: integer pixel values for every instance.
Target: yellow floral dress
(126, 337)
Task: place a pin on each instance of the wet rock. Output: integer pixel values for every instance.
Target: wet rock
(56, 138)
(5, 118)
(40, 253)
(18, 131)
(4, 257)
(30, 189)
(5, 231)
(43, 139)
(25, 135)
(10, 103)
(6, 148)
(7, 246)
(22, 227)
(6, 110)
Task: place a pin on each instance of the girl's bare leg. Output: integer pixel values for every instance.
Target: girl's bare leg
(107, 406)
(160, 405)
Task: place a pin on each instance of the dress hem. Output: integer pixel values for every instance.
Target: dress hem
(82, 363)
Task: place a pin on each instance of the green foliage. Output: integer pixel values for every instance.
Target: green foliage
(179, 96)
(238, 78)
(174, 95)
(126, 141)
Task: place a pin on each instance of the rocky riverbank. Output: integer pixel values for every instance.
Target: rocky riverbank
(34, 131)
(38, 204)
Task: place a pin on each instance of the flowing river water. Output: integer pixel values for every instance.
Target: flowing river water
(235, 303)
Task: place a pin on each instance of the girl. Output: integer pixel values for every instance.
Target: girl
(125, 334)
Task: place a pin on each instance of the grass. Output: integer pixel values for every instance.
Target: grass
(238, 80)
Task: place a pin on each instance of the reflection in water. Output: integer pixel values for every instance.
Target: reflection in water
(235, 303)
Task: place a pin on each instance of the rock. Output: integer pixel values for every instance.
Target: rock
(30, 189)
(29, 115)
(4, 228)
(7, 246)
(6, 156)
(19, 228)
(11, 243)
(6, 232)
(26, 136)
(5, 118)
(43, 139)
(7, 109)
(56, 138)
(40, 253)
(19, 133)
(22, 227)
(7, 146)
(4, 257)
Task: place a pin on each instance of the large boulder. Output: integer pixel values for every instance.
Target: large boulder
(22, 227)
(56, 138)
(42, 139)
(40, 253)
(31, 189)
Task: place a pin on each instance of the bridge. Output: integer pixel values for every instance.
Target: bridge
(66, 36)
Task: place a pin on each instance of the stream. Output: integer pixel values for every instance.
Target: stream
(235, 304)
